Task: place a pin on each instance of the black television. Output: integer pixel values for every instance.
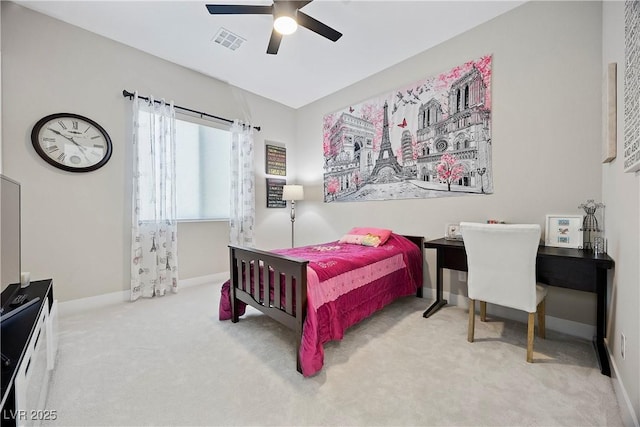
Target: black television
(9, 232)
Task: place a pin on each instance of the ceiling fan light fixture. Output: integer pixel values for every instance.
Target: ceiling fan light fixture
(285, 25)
(286, 18)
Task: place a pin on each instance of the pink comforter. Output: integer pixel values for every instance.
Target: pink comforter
(345, 284)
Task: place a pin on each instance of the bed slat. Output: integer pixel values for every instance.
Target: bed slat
(277, 286)
(288, 294)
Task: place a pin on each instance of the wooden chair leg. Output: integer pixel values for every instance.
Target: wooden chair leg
(531, 322)
(541, 325)
(483, 311)
(472, 319)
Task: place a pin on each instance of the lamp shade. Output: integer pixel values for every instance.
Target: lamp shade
(292, 192)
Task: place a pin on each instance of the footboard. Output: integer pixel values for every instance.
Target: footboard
(274, 284)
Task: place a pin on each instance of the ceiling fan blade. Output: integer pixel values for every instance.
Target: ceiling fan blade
(274, 42)
(233, 9)
(317, 26)
(300, 4)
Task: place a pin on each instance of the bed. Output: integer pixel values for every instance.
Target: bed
(319, 291)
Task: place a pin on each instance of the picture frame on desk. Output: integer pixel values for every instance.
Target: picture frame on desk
(564, 231)
(452, 232)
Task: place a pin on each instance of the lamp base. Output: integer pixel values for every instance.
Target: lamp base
(293, 220)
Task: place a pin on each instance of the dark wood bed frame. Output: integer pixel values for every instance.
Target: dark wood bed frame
(289, 276)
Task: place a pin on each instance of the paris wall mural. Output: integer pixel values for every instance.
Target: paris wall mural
(428, 139)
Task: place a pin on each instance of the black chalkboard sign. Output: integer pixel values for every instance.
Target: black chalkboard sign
(274, 193)
(276, 160)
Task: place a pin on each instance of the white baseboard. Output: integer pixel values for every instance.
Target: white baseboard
(80, 305)
(201, 280)
(569, 327)
(68, 308)
(629, 417)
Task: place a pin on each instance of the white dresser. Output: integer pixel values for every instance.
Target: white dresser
(29, 343)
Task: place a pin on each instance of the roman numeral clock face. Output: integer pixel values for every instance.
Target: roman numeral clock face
(71, 142)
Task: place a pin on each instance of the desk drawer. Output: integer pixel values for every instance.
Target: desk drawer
(567, 273)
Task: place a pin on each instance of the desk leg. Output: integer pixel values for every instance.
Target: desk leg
(440, 301)
(601, 321)
(434, 307)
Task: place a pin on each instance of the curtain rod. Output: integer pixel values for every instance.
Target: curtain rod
(130, 95)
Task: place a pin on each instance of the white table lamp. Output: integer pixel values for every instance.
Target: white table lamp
(292, 193)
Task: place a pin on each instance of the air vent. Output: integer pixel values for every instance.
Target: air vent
(227, 39)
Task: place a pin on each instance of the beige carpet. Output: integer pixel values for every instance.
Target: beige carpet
(169, 361)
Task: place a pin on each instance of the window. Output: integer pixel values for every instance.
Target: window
(203, 157)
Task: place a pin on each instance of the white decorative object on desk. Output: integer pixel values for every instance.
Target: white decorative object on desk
(591, 225)
(452, 232)
(599, 246)
(25, 279)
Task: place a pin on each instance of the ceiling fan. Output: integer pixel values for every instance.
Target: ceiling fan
(286, 17)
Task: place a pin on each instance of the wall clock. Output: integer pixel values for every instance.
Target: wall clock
(71, 142)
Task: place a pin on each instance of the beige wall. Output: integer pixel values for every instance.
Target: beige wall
(76, 226)
(546, 127)
(622, 199)
(546, 133)
(0, 90)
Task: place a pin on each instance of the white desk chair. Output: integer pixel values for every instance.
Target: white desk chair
(501, 259)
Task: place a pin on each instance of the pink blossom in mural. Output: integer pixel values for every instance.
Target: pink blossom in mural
(329, 121)
(483, 65)
(415, 146)
(449, 170)
(333, 187)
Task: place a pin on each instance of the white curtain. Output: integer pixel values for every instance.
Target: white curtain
(154, 261)
(243, 211)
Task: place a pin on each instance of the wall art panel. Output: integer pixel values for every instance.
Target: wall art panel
(632, 86)
(428, 139)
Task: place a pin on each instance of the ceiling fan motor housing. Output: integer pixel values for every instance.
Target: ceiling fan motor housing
(284, 8)
(285, 17)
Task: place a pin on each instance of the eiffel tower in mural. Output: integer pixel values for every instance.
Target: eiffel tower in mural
(387, 168)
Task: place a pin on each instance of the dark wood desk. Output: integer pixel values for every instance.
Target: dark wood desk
(561, 267)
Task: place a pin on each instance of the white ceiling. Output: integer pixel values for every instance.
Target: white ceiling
(376, 35)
